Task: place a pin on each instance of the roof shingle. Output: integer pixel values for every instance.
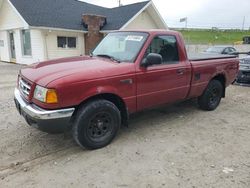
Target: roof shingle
(67, 14)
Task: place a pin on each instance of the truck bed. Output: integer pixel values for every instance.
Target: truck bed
(206, 66)
(206, 56)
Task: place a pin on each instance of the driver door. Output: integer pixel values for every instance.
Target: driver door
(164, 83)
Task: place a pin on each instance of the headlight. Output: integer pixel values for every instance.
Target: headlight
(45, 95)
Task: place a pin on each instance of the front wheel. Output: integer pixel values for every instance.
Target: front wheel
(96, 124)
(211, 97)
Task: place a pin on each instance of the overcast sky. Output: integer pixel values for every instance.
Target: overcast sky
(200, 13)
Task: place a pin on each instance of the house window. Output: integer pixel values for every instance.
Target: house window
(26, 42)
(66, 42)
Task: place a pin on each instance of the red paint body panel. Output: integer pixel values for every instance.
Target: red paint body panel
(79, 78)
(161, 84)
(209, 69)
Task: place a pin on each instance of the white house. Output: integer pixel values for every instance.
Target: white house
(35, 30)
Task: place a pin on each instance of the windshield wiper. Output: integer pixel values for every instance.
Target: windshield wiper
(108, 56)
(91, 54)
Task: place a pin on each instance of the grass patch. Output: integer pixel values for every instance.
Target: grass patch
(213, 36)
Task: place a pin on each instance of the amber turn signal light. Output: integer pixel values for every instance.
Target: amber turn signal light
(51, 96)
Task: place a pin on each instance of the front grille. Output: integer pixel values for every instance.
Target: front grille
(24, 87)
(245, 61)
(246, 73)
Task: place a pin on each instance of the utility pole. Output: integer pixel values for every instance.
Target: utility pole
(243, 23)
(120, 4)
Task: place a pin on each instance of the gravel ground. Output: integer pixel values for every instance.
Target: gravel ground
(173, 146)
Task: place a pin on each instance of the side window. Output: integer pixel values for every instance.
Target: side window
(232, 50)
(26, 42)
(229, 50)
(166, 46)
(226, 51)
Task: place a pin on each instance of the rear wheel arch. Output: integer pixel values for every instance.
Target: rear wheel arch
(211, 97)
(222, 79)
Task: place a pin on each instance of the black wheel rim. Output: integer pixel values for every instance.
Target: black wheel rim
(100, 126)
(215, 96)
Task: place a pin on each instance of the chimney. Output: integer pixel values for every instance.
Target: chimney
(94, 24)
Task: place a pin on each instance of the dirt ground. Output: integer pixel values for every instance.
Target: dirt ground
(173, 146)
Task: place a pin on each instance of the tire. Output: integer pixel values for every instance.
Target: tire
(211, 97)
(96, 124)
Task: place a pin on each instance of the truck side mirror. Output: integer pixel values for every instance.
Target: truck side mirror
(152, 59)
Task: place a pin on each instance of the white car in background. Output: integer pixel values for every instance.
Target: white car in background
(220, 50)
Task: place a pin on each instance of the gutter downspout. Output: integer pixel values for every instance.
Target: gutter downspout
(45, 46)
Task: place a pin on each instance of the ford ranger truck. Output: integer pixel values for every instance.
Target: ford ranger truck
(128, 71)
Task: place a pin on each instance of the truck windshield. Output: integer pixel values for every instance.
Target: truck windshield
(121, 46)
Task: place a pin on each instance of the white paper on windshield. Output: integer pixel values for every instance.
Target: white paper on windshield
(134, 38)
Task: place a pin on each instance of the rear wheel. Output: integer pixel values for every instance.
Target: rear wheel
(211, 97)
(96, 124)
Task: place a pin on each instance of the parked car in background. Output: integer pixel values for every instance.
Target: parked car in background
(220, 50)
(244, 71)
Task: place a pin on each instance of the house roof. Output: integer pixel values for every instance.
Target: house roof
(67, 14)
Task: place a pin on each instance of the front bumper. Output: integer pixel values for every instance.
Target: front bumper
(243, 76)
(52, 121)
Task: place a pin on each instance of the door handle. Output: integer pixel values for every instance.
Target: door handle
(127, 81)
(180, 71)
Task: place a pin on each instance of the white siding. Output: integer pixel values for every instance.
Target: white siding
(4, 50)
(9, 17)
(11, 21)
(43, 46)
(142, 21)
(37, 47)
(54, 52)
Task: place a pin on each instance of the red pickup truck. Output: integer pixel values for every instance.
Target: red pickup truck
(127, 72)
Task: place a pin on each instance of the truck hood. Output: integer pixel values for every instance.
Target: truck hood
(87, 68)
